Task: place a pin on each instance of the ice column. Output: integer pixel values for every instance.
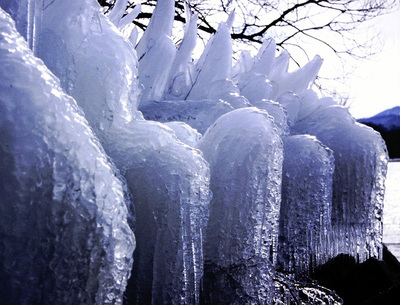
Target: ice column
(245, 155)
(63, 220)
(170, 185)
(305, 214)
(358, 181)
(156, 52)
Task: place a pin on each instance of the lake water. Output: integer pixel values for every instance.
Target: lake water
(391, 210)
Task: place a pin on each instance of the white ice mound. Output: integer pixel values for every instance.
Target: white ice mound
(305, 215)
(245, 154)
(170, 185)
(358, 181)
(63, 217)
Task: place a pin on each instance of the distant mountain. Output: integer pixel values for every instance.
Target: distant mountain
(387, 123)
(388, 120)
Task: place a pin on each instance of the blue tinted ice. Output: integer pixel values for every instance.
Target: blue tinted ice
(63, 218)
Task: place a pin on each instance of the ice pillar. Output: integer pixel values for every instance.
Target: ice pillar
(305, 214)
(245, 155)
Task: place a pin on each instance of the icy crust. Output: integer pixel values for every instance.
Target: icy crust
(305, 214)
(245, 153)
(95, 64)
(170, 185)
(199, 114)
(358, 181)
(63, 220)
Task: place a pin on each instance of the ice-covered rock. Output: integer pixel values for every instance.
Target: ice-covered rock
(244, 150)
(305, 214)
(64, 237)
(358, 181)
(278, 113)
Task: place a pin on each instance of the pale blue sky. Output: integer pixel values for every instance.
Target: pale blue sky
(375, 85)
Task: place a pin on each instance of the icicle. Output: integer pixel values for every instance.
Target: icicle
(160, 25)
(265, 57)
(179, 77)
(299, 80)
(156, 52)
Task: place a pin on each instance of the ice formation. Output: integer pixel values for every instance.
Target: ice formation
(63, 217)
(305, 215)
(229, 189)
(358, 180)
(245, 154)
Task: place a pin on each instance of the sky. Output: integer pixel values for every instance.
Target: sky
(375, 84)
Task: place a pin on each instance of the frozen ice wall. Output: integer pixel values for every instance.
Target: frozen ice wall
(245, 154)
(63, 219)
(358, 181)
(305, 214)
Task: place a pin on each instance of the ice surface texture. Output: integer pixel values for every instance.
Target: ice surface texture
(305, 215)
(358, 181)
(63, 219)
(245, 155)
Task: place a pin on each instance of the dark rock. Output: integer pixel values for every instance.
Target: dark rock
(372, 282)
